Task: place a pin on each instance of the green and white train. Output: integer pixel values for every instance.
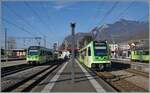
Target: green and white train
(39, 55)
(140, 55)
(96, 55)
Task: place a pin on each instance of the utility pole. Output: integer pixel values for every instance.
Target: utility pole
(6, 55)
(58, 45)
(38, 40)
(66, 44)
(73, 52)
(44, 40)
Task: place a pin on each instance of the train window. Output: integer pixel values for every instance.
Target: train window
(84, 53)
(138, 53)
(145, 52)
(43, 52)
(89, 51)
(99, 52)
(134, 52)
(40, 53)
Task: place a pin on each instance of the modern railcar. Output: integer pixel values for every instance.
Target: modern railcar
(140, 55)
(38, 55)
(96, 55)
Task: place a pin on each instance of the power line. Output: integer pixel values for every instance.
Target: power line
(97, 13)
(36, 14)
(108, 12)
(44, 36)
(112, 10)
(19, 27)
(21, 17)
(22, 29)
(49, 17)
(105, 16)
(125, 10)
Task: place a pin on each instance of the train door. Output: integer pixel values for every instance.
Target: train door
(86, 57)
(89, 59)
(140, 55)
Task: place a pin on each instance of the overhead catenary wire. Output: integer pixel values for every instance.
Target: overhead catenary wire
(19, 27)
(49, 18)
(35, 13)
(122, 13)
(108, 12)
(28, 23)
(16, 14)
(105, 16)
(95, 17)
(20, 17)
(22, 29)
(111, 9)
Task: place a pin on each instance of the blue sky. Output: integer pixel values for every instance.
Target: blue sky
(52, 18)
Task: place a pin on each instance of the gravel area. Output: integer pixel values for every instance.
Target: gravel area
(139, 81)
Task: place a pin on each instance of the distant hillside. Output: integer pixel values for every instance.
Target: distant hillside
(120, 31)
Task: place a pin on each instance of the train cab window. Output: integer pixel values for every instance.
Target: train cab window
(40, 53)
(137, 53)
(89, 51)
(145, 52)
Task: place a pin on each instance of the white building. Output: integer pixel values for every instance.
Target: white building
(113, 49)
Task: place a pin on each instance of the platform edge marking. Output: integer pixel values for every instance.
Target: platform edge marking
(49, 86)
(95, 84)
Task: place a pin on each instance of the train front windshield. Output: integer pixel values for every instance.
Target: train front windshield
(33, 52)
(101, 50)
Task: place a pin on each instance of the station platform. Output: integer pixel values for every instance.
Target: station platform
(84, 81)
(133, 65)
(13, 63)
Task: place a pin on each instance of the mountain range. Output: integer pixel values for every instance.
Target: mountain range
(121, 31)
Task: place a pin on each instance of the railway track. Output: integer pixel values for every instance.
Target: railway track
(120, 84)
(14, 69)
(138, 72)
(26, 84)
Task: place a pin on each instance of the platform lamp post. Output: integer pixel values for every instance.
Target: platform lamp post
(73, 52)
(6, 45)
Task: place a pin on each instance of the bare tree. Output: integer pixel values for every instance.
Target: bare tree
(85, 40)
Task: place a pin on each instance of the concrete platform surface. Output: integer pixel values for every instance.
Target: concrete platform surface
(62, 82)
(12, 63)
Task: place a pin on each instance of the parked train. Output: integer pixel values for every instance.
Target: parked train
(64, 55)
(140, 55)
(96, 55)
(38, 55)
(61, 55)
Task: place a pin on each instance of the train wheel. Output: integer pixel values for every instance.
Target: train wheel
(100, 67)
(29, 63)
(108, 67)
